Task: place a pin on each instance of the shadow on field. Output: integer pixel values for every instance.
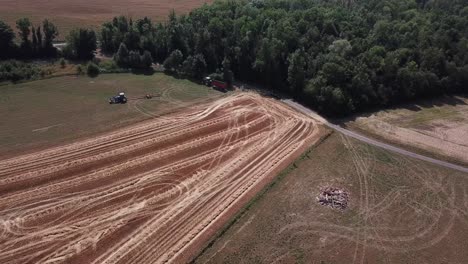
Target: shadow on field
(414, 106)
(147, 72)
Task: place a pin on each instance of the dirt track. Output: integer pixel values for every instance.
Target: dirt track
(150, 193)
(373, 141)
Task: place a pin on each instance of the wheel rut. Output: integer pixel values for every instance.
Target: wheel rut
(149, 193)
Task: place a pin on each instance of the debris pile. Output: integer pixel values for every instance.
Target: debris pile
(333, 197)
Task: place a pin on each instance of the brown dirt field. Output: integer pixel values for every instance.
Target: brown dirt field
(149, 193)
(401, 211)
(438, 126)
(68, 14)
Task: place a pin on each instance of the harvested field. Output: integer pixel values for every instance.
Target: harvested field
(149, 193)
(67, 14)
(400, 210)
(438, 127)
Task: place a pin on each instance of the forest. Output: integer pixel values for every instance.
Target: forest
(338, 57)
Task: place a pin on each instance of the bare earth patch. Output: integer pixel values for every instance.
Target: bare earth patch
(148, 193)
(440, 128)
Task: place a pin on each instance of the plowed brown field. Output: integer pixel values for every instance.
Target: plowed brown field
(69, 14)
(149, 193)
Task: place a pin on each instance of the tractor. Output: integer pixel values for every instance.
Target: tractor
(207, 81)
(119, 99)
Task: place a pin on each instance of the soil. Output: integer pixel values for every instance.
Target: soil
(154, 192)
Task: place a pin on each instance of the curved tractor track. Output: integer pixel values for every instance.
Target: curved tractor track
(149, 193)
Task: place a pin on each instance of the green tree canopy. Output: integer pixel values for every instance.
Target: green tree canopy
(24, 30)
(174, 61)
(7, 37)
(336, 56)
(81, 44)
(50, 33)
(296, 71)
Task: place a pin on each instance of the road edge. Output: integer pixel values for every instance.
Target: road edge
(372, 141)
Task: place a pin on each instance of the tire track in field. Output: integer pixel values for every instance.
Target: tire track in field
(149, 193)
(415, 208)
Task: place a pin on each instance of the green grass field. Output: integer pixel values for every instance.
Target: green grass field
(49, 112)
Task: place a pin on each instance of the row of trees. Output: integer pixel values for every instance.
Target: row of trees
(337, 56)
(34, 41)
(37, 42)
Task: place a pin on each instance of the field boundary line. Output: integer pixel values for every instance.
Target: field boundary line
(277, 179)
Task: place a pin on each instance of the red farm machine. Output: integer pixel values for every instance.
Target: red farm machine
(218, 85)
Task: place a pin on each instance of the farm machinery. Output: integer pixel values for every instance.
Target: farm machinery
(218, 85)
(118, 99)
(122, 99)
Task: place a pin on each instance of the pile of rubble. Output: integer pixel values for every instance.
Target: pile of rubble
(333, 197)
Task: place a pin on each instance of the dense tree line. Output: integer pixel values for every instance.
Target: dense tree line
(35, 42)
(338, 56)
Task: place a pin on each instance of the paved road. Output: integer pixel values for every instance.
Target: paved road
(373, 141)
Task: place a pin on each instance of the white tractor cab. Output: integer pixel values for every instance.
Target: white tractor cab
(208, 81)
(119, 99)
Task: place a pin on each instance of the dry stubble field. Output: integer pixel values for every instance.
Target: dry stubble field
(401, 211)
(68, 14)
(149, 193)
(438, 127)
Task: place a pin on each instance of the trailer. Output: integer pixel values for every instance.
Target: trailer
(121, 98)
(218, 85)
(215, 84)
